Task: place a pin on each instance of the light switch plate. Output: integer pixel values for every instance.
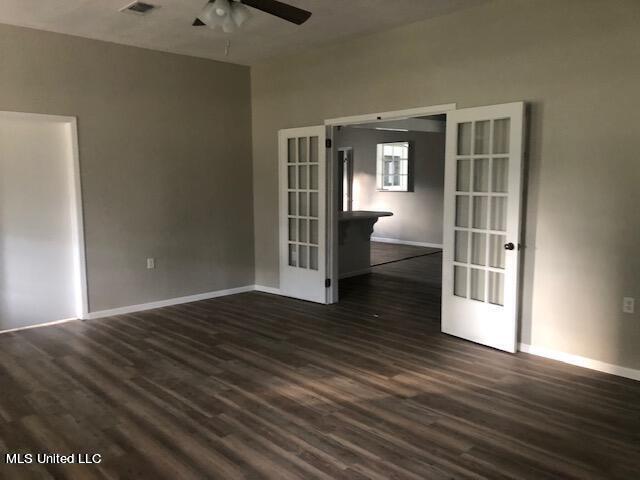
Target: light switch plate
(151, 263)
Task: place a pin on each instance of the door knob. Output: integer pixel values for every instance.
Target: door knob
(509, 246)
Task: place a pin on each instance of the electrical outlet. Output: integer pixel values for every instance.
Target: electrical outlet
(628, 305)
(151, 263)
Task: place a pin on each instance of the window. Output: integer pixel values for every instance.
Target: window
(393, 167)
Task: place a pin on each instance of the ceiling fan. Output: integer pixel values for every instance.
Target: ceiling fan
(232, 14)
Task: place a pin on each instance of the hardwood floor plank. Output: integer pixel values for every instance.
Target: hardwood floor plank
(256, 386)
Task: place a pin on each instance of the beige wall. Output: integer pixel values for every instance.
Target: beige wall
(578, 65)
(165, 152)
(417, 215)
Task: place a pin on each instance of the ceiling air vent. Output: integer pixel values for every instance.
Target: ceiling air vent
(140, 8)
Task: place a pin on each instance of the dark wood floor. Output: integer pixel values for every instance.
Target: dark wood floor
(392, 252)
(259, 386)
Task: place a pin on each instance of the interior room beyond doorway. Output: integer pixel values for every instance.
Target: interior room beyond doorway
(391, 196)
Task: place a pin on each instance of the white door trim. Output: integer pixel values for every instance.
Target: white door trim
(350, 177)
(332, 172)
(333, 200)
(391, 115)
(77, 226)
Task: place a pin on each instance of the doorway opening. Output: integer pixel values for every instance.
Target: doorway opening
(391, 198)
(42, 258)
(397, 161)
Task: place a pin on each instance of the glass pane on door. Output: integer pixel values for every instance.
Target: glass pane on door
(313, 149)
(500, 175)
(496, 288)
(292, 178)
(464, 138)
(303, 207)
(302, 150)
(462, 211)
(302, 204)
(313, 258)
(499, 213)
(302, 230)
(303, 258)
(313, 232)
(481, 138)
(478, 250)
(460, 281)
(476, 284)
(302, 177)
(293, 204)
(313, 177)
(461, 246)
(481, 175)
(463, 175)
(496, 250)
(501, 136)
(293, 255)
(292, 230)
(291, 150)
(480, 212)
(313, 204)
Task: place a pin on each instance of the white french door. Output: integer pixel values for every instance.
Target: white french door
(303, 227)
(481, 256)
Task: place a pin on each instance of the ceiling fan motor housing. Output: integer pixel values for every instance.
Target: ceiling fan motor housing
(232, 14)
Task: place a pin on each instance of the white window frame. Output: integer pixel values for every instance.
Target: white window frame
(382, 173)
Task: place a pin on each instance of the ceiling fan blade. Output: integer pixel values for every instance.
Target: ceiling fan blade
(197, 22)
(282, 10)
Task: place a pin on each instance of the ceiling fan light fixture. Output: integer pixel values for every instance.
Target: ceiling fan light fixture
(228, 25)
(222, 8)
(232, 14)
(216, 22)
(240, 13)
(207, 15)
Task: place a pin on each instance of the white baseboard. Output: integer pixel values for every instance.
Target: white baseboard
(169, 302)
(272, 290)
(355, 273)
(159, 304)
(580, 361)
(405, 242)
(47, 324)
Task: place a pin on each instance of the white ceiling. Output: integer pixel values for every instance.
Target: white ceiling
(168, 28)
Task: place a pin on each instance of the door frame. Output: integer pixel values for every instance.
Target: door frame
(332, 172)
(349, 175)
(77, 218)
